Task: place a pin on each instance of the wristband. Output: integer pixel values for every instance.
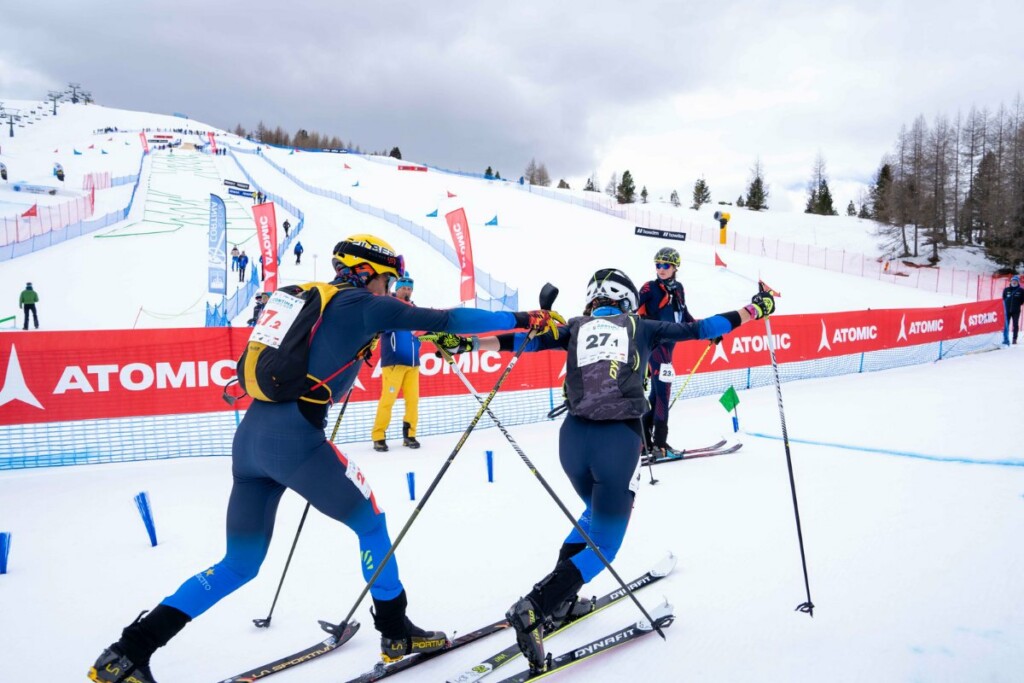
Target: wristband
(753, 311)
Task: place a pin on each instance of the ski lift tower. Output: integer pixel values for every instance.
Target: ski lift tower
(12, 116)
(54, 95)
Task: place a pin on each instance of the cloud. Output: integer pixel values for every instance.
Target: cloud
(671, 91)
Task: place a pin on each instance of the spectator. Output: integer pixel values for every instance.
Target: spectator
(261, 301)
(298, 252)
(400, 368)
(1013, 297)
(243, 262)
(27, 302)
(234, 258)
(287, 226)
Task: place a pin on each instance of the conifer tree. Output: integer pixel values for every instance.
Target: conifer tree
(757, 190)
(625, 192)
(643, 195)
(851, 210)
(589, 187)
(701, 194)
(674, 198)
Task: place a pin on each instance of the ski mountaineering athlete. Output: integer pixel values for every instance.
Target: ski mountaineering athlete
(600, 440)
(662, 298)
(281, 445)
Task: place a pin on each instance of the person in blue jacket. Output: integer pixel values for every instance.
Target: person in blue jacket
(400, 373)
(281, 445)
(600, 441)
(243, 263)
(298, 252)
(662, 298)
(1013, 298)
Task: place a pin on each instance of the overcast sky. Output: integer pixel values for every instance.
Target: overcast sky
(669, 90)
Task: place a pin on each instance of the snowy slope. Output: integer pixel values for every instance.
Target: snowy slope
(914, 564)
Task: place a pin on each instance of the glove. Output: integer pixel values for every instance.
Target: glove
(539, 322)
(763, 304)
(452, 343)
(717, 340)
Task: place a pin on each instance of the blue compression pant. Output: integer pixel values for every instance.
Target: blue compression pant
(600, 459)
(275, 448)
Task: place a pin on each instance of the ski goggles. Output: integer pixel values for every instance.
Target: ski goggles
(662, 265)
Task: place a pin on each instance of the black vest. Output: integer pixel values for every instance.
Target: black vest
(603, 377)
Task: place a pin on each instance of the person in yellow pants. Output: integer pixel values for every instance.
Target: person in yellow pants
(400, 372)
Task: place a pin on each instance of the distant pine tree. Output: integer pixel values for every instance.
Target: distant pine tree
(643, 195)
(497, 175)
(395, 153)
(851, 210)
(739, 201)
(589, 187)
(701, 194)
(757, 190)
(489, 173)
(562, 185)
(625, 192)
(674, 198)
(864, 212)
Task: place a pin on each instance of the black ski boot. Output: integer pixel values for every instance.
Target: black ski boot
(661, 447)
(380, 446)
(127, 660)
(528, 615)
(398, 635)
(408, 441)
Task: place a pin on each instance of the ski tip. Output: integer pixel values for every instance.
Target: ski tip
(665, 565)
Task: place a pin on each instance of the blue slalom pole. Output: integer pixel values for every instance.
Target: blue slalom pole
(146, 511)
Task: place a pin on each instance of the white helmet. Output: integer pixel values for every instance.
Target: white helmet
(615, 286)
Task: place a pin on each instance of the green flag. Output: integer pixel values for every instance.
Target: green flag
(729, 399)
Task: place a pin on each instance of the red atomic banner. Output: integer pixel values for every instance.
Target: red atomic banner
(266, 232)
(62, 376)
(459, 227)
(213, 143)
(145, 143)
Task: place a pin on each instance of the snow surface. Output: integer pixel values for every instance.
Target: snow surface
(914, 564)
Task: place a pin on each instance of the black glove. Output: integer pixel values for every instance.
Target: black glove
(452, 343)
(764, 303)
(717, 340)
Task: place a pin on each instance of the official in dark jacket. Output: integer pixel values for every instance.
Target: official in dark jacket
(1013, 297)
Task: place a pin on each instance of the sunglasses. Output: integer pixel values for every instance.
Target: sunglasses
(663, 266)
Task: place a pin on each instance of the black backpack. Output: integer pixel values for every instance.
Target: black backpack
(275, 363)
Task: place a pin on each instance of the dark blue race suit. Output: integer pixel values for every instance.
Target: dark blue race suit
(601, 457)
(277, 447)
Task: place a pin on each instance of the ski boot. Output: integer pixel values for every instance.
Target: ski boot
(380, 446)
(528, 616)
(127, 660)
(114, 666)
(408, 441)
(528, 623)
(568, 611)
(398, 635)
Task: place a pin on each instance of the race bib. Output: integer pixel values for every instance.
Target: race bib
(355, 474)
(277, 318)
(666, 373)
(601, 340)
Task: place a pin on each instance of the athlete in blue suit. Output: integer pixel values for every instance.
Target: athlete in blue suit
(282, 446)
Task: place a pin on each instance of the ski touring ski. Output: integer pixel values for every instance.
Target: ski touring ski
(659, 571)
(663, 617)
(674, 455)
(382, 670)
(322, 648)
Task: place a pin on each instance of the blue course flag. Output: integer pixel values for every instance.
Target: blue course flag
(5, 549)
(142, 502)
(493, 221)
(490, 466)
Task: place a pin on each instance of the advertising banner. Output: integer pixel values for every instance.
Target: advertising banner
(459, 227)
(61, 376)
(266, 233)
(145, 143)
(217, 247)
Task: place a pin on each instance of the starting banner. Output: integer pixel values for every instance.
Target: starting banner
(62, 376)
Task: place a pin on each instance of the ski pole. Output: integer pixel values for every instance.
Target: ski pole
(554, 496)
(807, 607)
(547, 299)
(265, 623)
(692, 372)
